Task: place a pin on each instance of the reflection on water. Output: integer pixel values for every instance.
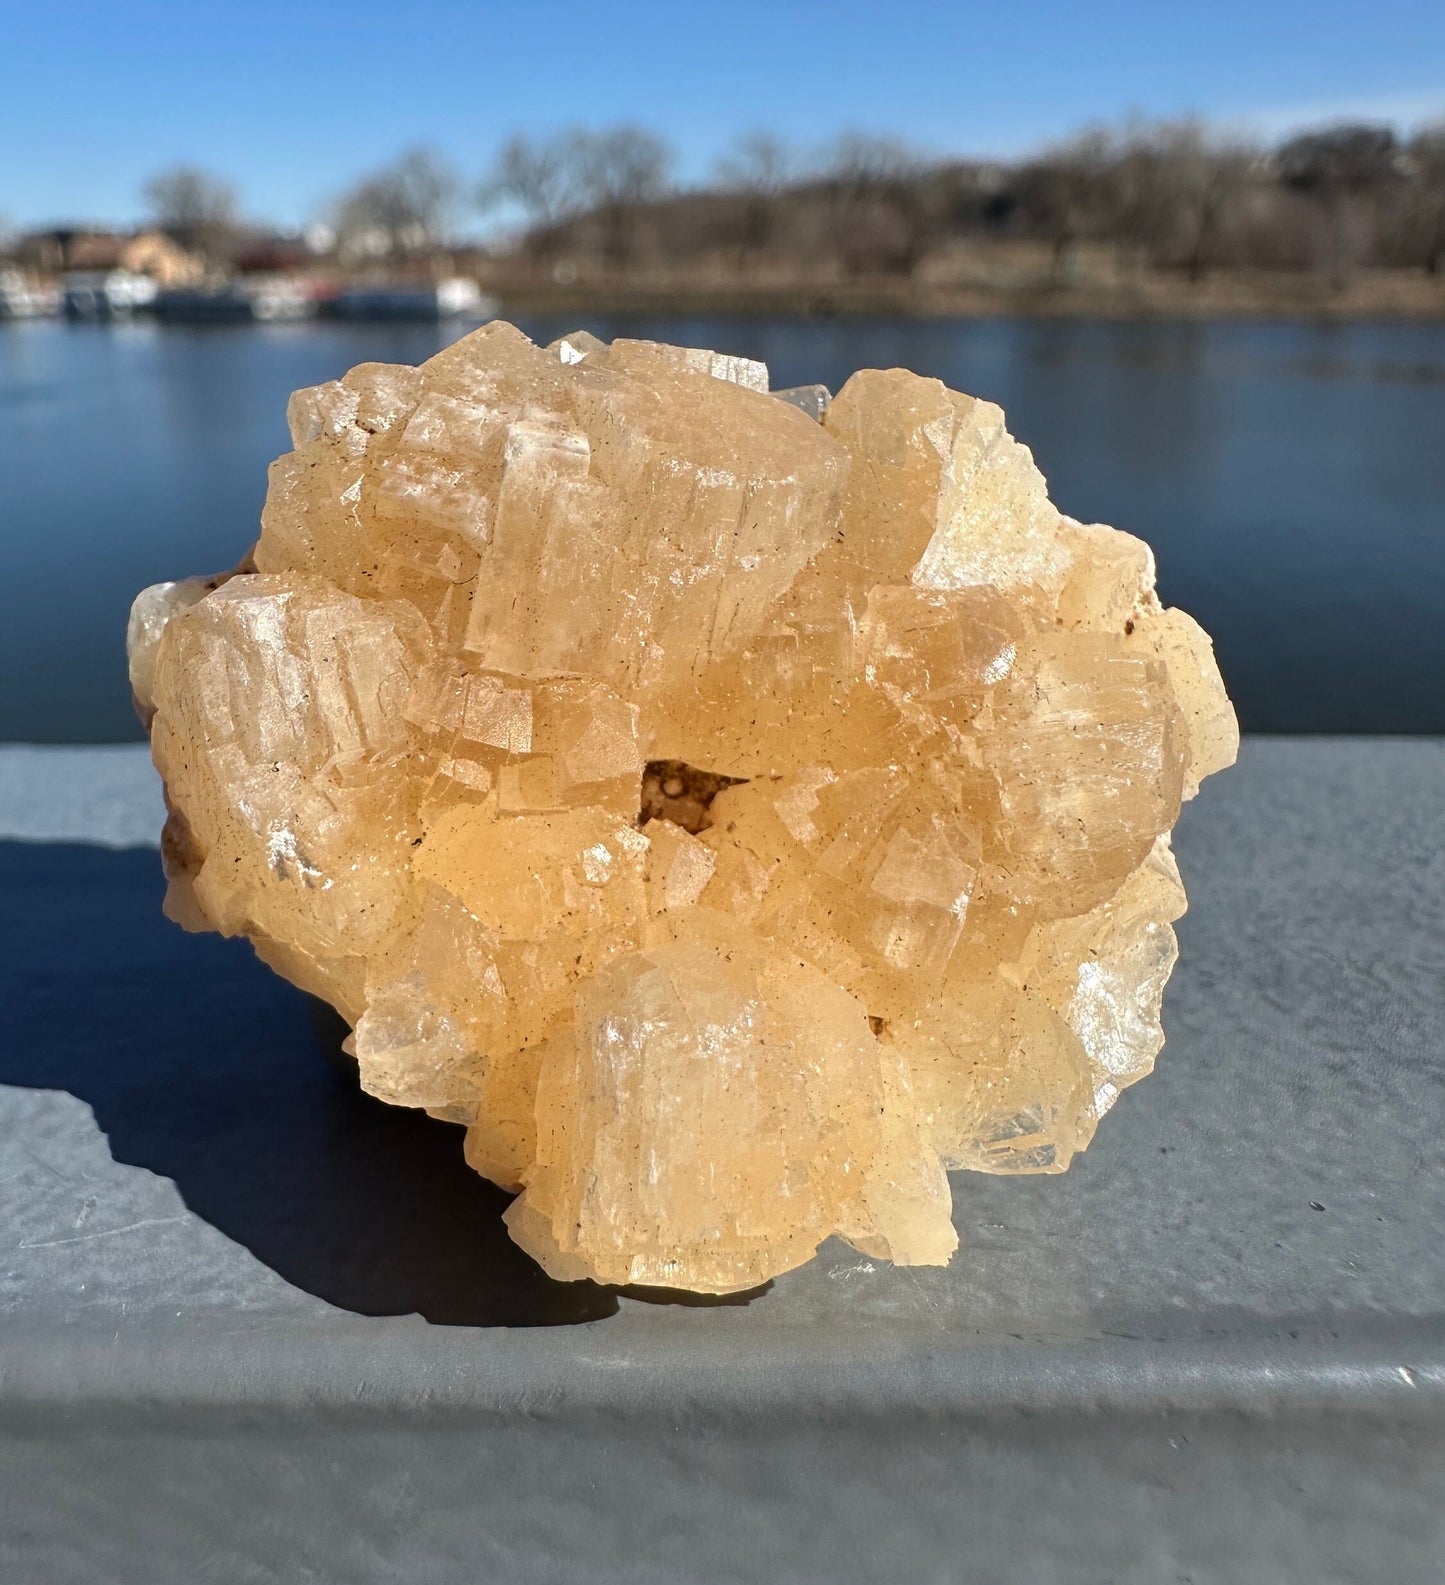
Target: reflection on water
(1291, 477)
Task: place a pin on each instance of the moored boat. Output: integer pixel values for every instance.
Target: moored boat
(20, 298)
(457, 298)
(105, 294)
(236, 303)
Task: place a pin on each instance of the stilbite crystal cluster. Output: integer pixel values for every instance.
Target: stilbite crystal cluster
(733, 818)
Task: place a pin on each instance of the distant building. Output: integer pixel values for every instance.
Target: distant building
(273, 252)
(63, 249)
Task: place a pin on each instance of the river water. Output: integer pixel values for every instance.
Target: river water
(1290, 477)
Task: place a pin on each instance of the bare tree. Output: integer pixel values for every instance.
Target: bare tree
(1209, 180)
(616, 173)
(1344, 169)
(195, 208)
(1425, 168)
(402, 209)
(757, 169)
(758, 162)
(884, 209)
(1150, 170)
(1071, 193)
(1173, 188)
(537, 175)
(626, 164)
(865, 162)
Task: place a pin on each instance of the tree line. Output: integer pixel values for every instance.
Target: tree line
(1172, 196)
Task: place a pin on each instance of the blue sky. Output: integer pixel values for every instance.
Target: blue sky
(292, 101)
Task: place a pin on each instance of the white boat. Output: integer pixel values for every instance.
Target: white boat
(273, 301)
(105, 294)
(243, 302)
(20, 299)
(457, 298)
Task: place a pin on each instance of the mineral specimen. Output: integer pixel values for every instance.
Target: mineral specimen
(734, 811)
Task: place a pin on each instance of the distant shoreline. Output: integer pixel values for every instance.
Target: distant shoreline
(1395, 296)
(1382, 296)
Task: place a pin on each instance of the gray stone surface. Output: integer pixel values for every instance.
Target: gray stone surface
(254, 1326)
(108, 796)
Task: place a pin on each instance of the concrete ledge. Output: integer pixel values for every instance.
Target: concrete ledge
(254, 1326)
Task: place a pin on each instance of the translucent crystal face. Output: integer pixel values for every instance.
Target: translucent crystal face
(733, 818)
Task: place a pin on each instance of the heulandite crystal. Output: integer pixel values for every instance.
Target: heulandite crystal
(734, 819)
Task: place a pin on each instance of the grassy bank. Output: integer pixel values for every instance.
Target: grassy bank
(1407, 295)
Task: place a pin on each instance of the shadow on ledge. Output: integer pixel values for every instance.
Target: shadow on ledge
(202, 1066)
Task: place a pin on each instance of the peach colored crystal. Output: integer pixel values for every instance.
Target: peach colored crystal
(732, 819)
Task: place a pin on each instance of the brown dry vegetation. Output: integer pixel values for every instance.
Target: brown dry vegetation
(1345, 221)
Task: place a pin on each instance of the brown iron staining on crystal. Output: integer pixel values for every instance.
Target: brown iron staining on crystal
(733, 811)
(681, 793)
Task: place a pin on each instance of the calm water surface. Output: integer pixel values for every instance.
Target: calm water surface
(1291, 478)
